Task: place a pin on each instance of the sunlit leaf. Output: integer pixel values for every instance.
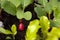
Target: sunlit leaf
(54, 34)
(32, 30)
(44, 22)
(52, 38)
(14, 29)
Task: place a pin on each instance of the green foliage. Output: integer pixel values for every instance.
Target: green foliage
(54, 34)
(32, 30)
(15, 2)
(2, 30)
(55, 22)
(45, 24)
(13, 7)
(27, 15)
(43, 2)
(14, 29)
(40, 11)
(5, 31)
(33, 27)
(48, 7)
(17, 7)
(9, 7)
(53, 4)
(26, 3)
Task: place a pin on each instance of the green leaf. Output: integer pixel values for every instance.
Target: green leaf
(53, 3)
(40, 11)
(52, 23)
(20, 14)
(43, 2)
(38, 37)
(8, 7)
(55, 22)
(48, 8)
(15, 2)
(4, 31)
(32, 30)
(14, 29)
(57, 13)
(26, 3)
(8, 32)
(44, 22)
(52, 38)
(54, 34)
(27, 15)
(55, 31)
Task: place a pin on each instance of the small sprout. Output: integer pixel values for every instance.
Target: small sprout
(21, 27)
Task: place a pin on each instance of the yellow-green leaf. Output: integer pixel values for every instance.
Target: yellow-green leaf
(32, 30)
(14, 29)
(4, 31)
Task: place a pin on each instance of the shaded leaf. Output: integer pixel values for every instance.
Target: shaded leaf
(15, 2)
(55, 22)
(8, 7)
(57, 12)
(40, 11)
(48, 8)
(53, 3)
(43, 2)
(26, 3)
